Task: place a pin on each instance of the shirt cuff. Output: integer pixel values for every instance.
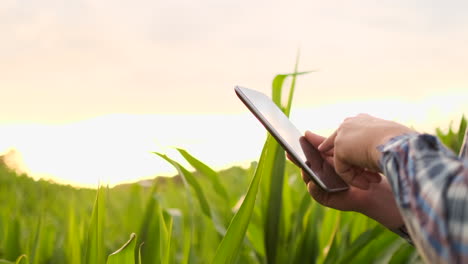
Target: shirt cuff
(397, 144)
(394, 143)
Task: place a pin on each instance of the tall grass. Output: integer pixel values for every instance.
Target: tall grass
(262, 214)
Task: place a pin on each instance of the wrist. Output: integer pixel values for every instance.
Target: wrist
(384, 137)
(391, 219)
(381, 206)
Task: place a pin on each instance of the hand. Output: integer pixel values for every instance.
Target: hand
(354, 146)
(376, 202)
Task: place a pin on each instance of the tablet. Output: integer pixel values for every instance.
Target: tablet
(291, 139)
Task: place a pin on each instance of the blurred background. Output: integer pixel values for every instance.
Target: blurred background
(89, 89)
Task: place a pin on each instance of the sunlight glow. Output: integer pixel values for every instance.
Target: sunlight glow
(116, 149)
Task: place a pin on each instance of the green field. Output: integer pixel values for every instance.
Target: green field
(262, 214)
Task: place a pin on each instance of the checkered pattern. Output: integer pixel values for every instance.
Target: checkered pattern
(430, 184)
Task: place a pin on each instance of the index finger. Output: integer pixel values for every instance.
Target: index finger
(328, 143)
(314, 139)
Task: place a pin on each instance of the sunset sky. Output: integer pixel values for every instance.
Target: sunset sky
(90, 88)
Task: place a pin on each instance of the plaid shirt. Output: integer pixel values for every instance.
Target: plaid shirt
(430, 184)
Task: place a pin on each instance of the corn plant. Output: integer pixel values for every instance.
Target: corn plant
(453, 139)
(262, 214)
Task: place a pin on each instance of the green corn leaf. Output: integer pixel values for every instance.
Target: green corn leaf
(277, 85)
(379, 250)
(156, 234)
(124, 255)
(277, 88)
(403, 254)
(193, 182)
(186, 240)
(73, 245)
(297, 230)
(289, 203)
(95, 243)
(387, 249)
(229, 246)
(23, 259)
(207, 171)
(461, 132)
(307, 247)
(152, 253)
(139, 254)
(358, 225)
(35, 254)
(148, 240)
(337, 249)
(165, 236)
(13, 245)
(415, 258)
(190, 178)
(328, 229)
(274, 212)
(255, 236)
(275, 202)
(364, 239)
(293, 85)
(287, 220)
(343, 239)
(452, 139)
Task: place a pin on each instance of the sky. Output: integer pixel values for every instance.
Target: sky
(89, 89)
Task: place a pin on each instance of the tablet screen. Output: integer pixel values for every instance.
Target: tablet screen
(276, 119)
(292, 140)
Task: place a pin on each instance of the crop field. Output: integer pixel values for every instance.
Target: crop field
(262, 214)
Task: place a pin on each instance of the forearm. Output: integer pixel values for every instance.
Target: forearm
(382, 207)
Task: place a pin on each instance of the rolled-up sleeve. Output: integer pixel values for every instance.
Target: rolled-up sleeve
(430, 184)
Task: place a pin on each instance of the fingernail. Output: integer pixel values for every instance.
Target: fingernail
(320, 147)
